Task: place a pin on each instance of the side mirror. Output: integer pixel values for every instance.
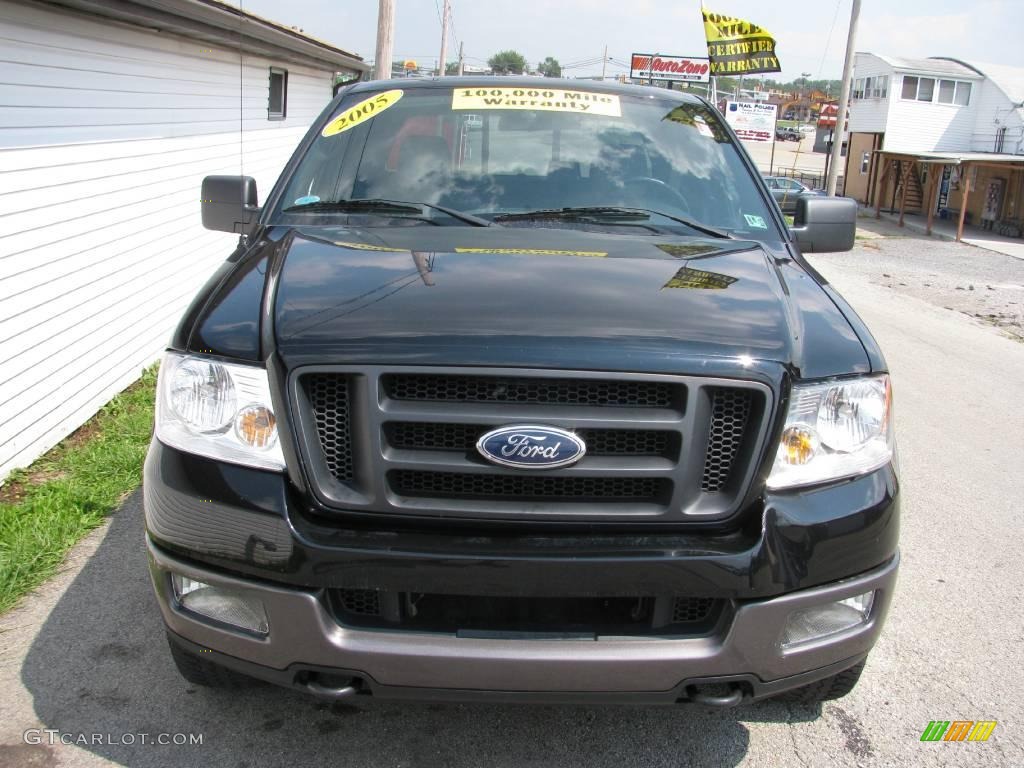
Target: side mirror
(229, 203)
(823, 224)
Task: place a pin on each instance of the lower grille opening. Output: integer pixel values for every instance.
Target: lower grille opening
(689, 609)
(583, 616)
(408, 482)
(362, 602)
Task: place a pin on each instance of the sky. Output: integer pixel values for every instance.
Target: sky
(810, 34)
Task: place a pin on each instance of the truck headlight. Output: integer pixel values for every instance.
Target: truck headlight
(834, 429)
(219, 410)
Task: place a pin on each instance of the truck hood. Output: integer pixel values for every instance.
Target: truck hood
(545, 297)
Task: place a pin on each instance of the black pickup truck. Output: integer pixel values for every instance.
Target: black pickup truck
(520, 389)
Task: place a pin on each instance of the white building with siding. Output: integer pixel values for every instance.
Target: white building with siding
(112, 115)
(936, 104)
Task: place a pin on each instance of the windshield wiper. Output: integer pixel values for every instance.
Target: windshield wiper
(378, 205)
(608, 213)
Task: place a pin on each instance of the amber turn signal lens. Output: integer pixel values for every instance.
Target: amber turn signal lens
(799, 444)
(256, 426)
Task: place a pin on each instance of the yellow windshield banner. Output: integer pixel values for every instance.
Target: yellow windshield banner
(737, 46)
(537, 99)
(361, 112)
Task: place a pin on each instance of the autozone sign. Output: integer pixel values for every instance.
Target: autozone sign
(646, 66)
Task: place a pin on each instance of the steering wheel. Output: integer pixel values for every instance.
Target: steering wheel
(657, 189)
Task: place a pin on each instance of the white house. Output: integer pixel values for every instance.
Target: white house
(113, 113)
(905, 107)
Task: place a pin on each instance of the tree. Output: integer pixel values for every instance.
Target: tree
(451, 68)
(507, 63)
(550, 67)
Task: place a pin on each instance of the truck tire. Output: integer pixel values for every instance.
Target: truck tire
(830, 688)
(204, 672)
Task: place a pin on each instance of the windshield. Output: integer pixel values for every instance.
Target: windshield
(493, 151)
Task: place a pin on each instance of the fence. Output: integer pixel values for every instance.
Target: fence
(811, 178)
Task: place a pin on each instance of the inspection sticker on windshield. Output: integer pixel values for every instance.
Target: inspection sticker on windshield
(540, 99)
(361, 112)
(755, 221)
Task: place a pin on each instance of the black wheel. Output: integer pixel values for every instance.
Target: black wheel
(204, 672)
(830, 688)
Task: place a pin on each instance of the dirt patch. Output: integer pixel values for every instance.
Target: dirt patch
(985, 285)
(83, 433)
(14, 491)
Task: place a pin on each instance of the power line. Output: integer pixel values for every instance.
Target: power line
(451, 21)
(828, 39)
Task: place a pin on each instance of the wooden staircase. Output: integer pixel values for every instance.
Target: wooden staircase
(909, 175)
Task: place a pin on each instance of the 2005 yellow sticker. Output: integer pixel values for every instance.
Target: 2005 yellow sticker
(541, 99)
(362, 112)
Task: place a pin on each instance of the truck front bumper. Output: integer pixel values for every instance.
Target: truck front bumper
(307, 648)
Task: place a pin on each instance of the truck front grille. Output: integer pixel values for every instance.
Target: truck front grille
(531, 391)
(597, 490)
(403, 442)
(419, 436)
(329, 398)
(730, 414)
(472, 614)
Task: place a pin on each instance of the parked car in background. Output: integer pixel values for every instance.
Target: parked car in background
(788, 134)
(787, 191)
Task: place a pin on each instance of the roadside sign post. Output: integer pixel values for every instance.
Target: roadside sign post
(669, 69)
(753, 121)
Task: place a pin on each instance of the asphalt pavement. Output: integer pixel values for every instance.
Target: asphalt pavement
(85, 656)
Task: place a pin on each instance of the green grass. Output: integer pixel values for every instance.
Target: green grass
(46, 508)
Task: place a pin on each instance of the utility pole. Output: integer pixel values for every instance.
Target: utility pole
(385, 39)
(844, 97)
(604, 62)
(442, 65)
(462, 59)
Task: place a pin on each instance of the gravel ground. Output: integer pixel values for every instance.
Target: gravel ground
(983, 284)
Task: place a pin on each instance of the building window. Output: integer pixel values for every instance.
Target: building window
(946, 90)
(963, 94)
(871, 87)
(955, 92)
(277, 107)
(865, 162)
(918, 88)
(909, 88)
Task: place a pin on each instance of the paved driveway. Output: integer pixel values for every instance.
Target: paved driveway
(86, 655)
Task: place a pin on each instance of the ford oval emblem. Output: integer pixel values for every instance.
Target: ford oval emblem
(531, 447)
